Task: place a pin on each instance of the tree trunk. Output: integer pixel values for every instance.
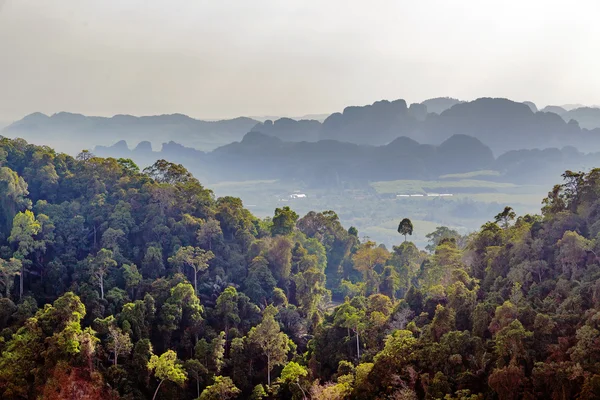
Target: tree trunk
(357, 345)
(101, 287)
(21, 277)
(156, 391)
(198, 387)
(269, 370)
(195, 283)
(6, 289)
(116, 357)
(303, 394)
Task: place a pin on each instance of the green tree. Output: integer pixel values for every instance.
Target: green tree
(222, 389)
(349, 317)
(132, 277)
(195, 370)
(25, 228)
(181, 312)
(167, 368)
(366, 258)
(163, 171)
(440, 233)
(13, 197)
(572, 253)
(284, 221)
(227, 308)
(101, 264)
(193, 257)
(273, 343)
(291, 375)
(210, 233)
(511, 342)
(211, 355)
(405, 227)
(505, 217)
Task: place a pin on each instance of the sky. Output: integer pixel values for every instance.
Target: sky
(224, 58)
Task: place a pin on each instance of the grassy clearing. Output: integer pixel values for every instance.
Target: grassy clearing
(471, 175)
(533, 199)
(416, 186)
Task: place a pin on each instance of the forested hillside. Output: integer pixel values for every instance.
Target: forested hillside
(125, 284)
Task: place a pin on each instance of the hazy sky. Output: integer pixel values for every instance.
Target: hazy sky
(223, 58)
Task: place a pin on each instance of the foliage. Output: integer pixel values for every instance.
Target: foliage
(114, 264)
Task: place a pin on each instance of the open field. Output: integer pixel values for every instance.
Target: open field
(471, 175)
(376, 212)
(417, 186)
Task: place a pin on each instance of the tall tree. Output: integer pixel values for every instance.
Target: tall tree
(505, 217)
(100, 264)
(119, 343)
(210, 233)
(273, 343)
(195, 370)
(349, 317)
(193, 257)
(440, 233)
(227, 308)
(8, 270)
(167, 368)
(13, 197)
(284, 221)
(405, 227)
(132, 277)
(366, 258)
(25, 228)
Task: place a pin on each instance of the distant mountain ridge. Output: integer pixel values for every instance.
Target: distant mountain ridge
(330, 163)
(500, 123)
(326, 162)
(82, 131)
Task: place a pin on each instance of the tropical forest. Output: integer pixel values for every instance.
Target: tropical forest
(125, 283)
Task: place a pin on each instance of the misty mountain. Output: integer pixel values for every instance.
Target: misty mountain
(326, 162)
(438, 105)
(341, 164)
(554, 109)
(588, 117)
(500, 123)
(531, 106)
(73, 132)
(507, 125)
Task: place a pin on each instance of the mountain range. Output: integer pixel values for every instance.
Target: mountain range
(73, 132)
(501, 124)
(331, 163)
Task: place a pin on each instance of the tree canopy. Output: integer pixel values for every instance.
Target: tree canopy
(134, 285)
